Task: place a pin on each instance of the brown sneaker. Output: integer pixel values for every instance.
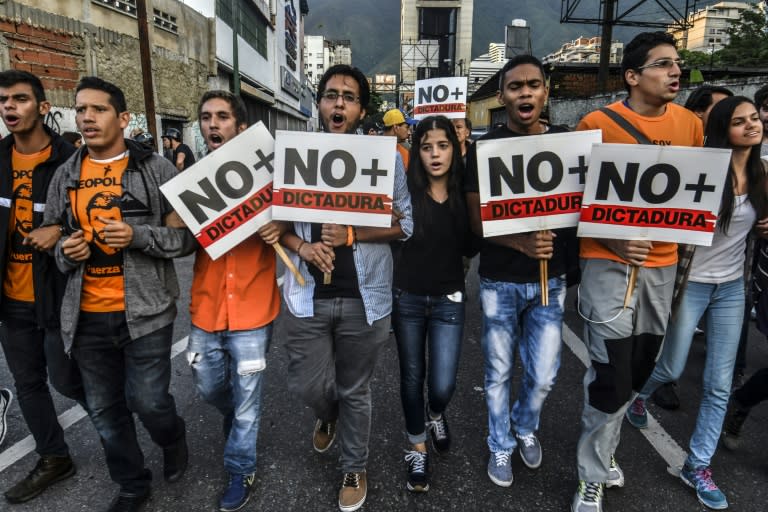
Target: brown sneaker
(48, 470)
(324, 435)
(354, 489)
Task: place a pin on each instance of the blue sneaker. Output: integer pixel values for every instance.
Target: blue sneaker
(530, 449)
(237, 493)
(636, 415)
(500, 468)
(706, 490)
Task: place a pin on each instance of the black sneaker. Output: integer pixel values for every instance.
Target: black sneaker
(47, 471)
(666, 397)
(441, 436)
(127, 502)
(418, 471)
(734, 422)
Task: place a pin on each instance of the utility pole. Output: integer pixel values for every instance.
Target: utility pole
(235, 60)
(605, 44)
(145, 52)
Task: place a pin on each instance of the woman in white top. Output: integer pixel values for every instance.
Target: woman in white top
(715, 288)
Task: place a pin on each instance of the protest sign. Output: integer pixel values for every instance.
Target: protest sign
(440, 96)
(532, 183)
(226, 196)
(331, 178)
(659, 193)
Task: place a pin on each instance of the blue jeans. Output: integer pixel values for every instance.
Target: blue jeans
(228, 368)
(121, 377)
(424, 325)
(513, 318)
(723, 305)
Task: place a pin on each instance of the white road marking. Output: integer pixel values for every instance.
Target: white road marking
(66, 419)
(662, 442)
(669, 450)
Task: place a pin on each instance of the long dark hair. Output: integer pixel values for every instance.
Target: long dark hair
(718, 136)
(418, 178)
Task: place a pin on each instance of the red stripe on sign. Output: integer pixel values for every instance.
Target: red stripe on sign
(674, 218)
(557, 204)
(358, 202)
(236, 217)
(440, 108)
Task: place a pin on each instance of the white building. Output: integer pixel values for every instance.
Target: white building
(585, 50)
(321, 53)
(435, 38)
(708, 32)
(496, 52)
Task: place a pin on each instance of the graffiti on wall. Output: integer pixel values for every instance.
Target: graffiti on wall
(53, 120)
(138, 121)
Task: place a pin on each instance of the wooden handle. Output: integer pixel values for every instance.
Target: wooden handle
(288, 263)
(544, 281)
(630, 286)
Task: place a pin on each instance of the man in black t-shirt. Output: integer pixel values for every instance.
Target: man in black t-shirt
(513, 316)
(182, 156)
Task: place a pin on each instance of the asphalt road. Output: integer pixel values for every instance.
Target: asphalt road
(291, 477)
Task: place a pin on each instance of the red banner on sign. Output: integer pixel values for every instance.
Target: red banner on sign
(674, 218)
(236, 217)
(557, 204)
(439, 108)
(358, 202)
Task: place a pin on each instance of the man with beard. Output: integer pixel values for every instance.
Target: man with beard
(334, 331)
(32, 286)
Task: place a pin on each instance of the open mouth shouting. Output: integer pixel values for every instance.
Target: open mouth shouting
(215, 140)
(337, 122)
(525, 111)
(11, 120)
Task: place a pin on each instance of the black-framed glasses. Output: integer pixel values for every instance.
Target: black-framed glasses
(348, 97)
(663, 64)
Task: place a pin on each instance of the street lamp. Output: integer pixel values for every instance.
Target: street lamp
(711, 54)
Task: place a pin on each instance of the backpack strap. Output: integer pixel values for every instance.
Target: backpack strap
(626, 125)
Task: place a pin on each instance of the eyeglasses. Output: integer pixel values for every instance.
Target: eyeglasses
(663, 64)
(348, 97)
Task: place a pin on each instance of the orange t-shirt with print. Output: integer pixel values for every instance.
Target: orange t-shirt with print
(97, 197)
(678, 126)
(404, 154)
(17, 282)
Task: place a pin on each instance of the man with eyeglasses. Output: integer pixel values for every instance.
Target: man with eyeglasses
(333, 332)
(119, 238)
(623, 343)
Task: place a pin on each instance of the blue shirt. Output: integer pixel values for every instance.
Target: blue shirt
(373, 263)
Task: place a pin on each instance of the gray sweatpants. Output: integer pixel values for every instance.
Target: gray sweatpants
(332, 356)
(623, 345)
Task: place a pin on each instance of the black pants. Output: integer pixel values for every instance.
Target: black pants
(754, 391)
(33, 354)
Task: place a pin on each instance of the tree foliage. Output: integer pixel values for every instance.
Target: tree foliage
(748, 46)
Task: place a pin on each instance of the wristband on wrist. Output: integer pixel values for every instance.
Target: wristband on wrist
(350, 236)
(298, 249)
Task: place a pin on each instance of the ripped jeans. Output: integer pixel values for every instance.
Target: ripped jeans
(228, 368)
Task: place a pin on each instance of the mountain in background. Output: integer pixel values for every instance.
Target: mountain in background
(373, 26)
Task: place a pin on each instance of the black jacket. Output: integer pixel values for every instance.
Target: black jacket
(48, 281)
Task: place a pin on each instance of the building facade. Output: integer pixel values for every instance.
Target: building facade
(585, 50)
(435, 38)
(708, 30)
(321, 53)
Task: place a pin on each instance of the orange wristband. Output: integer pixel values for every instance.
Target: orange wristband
(350, 236)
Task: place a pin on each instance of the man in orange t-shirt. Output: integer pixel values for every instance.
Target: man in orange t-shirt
(32, 287)
(234, 301)
(397, 125)
(623, 343)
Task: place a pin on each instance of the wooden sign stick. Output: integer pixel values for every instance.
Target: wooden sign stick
(288, 263)
(630, 286)
(544, 281)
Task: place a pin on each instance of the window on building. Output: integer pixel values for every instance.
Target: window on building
(124, 6)
(251, 24)
(165, 21)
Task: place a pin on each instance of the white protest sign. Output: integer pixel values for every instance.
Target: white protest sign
(332, 178)
(532, 183)
(225, 197)
(441, 96)
(662, 193)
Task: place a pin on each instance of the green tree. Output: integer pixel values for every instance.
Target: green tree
(374, 105)
(748, 46)
(699, 60)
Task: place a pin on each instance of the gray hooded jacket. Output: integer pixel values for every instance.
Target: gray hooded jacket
(151, 287)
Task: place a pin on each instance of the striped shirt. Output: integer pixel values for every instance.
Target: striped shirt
(373, 263)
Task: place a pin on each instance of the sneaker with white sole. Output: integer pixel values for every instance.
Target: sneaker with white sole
(615, 475)
(500, 468)
(354, 489)
(637, 415)
(438, 430)
(6, 397)
(418, 471)
(706, 491)
(237, 492)
(588, 497)
(530, 449)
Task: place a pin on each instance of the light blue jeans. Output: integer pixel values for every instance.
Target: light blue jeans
(228, 368)
(723, 305)
(513, 318)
